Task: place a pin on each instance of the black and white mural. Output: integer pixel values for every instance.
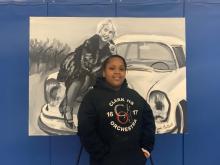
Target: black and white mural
(66, 53)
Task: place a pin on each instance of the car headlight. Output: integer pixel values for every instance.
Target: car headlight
(54, 92)
(160, 105)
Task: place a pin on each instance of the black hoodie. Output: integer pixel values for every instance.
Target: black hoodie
(115, 125)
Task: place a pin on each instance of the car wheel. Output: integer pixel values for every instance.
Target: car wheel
(181, 117)
(54, 92)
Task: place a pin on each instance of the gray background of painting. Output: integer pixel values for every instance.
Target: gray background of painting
(74, 31)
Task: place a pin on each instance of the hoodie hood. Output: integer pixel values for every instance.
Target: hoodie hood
(101, 84)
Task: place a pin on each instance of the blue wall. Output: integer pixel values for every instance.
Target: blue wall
(199, 146)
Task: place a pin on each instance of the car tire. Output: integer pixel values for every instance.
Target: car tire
(181, 117)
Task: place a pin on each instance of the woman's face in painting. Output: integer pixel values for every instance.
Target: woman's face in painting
(107, 33)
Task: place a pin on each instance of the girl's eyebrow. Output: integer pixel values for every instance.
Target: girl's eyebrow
(121, 66)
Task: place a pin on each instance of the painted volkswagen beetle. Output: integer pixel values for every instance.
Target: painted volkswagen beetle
(157, 71)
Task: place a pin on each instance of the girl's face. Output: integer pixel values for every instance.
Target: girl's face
(115, 72)
(106, 33)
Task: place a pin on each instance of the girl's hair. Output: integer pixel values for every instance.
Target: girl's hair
(106, 61)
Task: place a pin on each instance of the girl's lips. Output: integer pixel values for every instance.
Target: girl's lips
(117, 78)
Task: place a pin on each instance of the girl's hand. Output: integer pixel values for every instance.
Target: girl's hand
(146, 153)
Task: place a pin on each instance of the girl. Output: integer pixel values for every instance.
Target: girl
(116, 125)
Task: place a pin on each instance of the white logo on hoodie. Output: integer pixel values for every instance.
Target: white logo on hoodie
(122, 117)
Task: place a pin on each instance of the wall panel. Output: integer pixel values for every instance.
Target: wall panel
(150, 8)
(16, 146)
(203, 38)
(168, 148)
(64, 150)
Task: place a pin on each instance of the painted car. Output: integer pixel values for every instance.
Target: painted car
(157, 71)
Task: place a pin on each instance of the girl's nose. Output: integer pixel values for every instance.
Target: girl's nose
(117, 71)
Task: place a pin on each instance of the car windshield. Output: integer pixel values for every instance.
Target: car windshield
(150, 54)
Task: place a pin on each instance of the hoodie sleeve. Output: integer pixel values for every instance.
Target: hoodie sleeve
(87, 131)
(148, 128)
